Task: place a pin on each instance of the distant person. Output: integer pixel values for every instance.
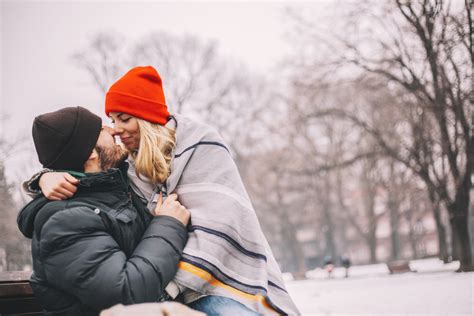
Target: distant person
(328, 265)
(102, 246)
(346, 263)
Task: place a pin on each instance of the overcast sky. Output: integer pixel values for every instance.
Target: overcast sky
(38, 39)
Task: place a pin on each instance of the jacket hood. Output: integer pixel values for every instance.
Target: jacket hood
(88, 182)
(27, 215)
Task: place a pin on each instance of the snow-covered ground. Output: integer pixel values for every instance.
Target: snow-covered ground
(435, 289)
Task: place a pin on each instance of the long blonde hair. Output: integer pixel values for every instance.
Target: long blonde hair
(154, 155)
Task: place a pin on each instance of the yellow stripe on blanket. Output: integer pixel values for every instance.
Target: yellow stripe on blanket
(206, 276)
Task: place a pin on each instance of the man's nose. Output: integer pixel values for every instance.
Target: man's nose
(109, 130)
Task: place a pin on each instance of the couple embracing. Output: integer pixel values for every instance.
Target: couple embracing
(162, 217)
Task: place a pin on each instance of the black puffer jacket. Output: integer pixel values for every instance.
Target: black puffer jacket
(97, 249)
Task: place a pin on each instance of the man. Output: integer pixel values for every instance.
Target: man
(101, 247)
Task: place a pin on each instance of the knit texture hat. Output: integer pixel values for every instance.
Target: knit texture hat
(139, 93)
(64, 139)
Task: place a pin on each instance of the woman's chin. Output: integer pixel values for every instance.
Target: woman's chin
(129, 147)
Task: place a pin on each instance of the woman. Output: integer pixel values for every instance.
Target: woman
(227, 266)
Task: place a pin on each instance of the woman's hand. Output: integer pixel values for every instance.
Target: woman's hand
(172, 207)
(58, 186)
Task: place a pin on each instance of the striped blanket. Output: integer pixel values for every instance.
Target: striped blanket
(227, 253)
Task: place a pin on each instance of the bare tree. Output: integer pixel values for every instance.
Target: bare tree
(281, 206)
(15, 245)
(193, 75)
(421, 52)
(196, 77)
(103, 59)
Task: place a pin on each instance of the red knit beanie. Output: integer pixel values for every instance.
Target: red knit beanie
(139, 93)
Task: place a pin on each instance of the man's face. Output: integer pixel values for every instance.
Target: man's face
(110, 154)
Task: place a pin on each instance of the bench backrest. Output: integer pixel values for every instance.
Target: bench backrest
(16, 295)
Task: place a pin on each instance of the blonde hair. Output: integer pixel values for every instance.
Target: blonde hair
(154, 155)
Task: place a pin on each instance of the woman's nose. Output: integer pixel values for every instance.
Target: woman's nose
(117, 129)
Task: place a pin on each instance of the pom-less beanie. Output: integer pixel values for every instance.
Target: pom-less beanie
(139, 93)
(64, 139)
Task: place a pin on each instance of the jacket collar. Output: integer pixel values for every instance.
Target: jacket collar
(111, 179)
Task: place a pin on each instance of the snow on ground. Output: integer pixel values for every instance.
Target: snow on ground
(435, 289)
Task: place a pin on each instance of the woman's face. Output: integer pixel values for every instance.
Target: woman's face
(126, 127)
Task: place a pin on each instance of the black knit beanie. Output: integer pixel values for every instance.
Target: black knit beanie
(64, 139)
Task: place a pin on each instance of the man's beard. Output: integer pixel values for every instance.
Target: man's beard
(111, 157)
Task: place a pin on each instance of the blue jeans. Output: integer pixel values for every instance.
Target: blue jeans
(214, 305)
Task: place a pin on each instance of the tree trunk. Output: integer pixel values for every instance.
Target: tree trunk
(373, 249)
(393, 205)
(328, 221)
(440, 229)
(344, 221)
(394, 235)
(344, 246)
(394, 224)
(441, 232)
(295, 250)
(411, 231)
(459, 220)
(370, 191)
(413, 242)
(461, 243)
(294, 253)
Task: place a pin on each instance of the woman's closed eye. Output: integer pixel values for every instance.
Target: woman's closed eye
(123, 117)
(123, 120)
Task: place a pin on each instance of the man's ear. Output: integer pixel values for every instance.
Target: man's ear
(92, 163)
(93, 155)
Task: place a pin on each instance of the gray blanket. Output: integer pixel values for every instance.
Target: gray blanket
(227, 253)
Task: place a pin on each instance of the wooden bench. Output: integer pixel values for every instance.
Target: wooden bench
(399, 266)
(16, 295)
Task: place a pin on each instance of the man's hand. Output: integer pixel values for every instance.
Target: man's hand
(172, 207)
(58, 186)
